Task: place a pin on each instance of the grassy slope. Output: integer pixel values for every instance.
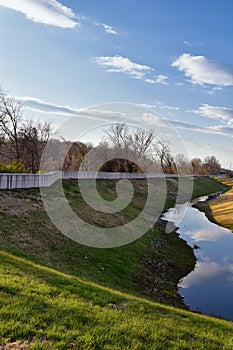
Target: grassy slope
(205, 185)
(220, 210)
(27, 232)
(51, 310)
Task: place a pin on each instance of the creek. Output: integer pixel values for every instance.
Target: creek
(209, 287)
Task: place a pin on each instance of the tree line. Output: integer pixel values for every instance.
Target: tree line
(21, 140)
(123, 148)
(138, 149)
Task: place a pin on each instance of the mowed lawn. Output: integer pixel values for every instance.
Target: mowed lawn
(222, 207)
(41, 308)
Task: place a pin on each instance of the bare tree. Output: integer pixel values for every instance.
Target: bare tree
(10, 118)
(121, 137)
(32, 139)
(90, 160)
(141, 141)
(163, 152)
(212, 165)
(183, 164)
(198, 168)
(132, 146)
(118, 135)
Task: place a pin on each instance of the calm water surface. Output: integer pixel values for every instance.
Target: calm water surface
(209, 288)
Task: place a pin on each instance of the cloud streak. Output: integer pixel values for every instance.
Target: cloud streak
(119, 64)
(108, 29)
(159, 79)
(190, 44)
(214, 130)
(202, 71)
(49, 12)
(46, 107)
(164, 106)
(214, 112)
(39, 105)
(124, 65)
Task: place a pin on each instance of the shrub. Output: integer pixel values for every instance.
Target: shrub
(12, 167)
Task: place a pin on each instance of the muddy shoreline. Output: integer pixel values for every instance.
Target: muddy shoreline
(170, 258)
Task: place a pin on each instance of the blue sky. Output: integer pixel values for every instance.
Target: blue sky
(175, 57)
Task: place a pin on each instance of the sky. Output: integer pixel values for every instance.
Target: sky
(174, 57)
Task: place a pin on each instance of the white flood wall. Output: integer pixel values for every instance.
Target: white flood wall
(9, 181)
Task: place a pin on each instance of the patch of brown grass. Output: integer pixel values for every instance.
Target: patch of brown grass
(222, 207)
(18, 345)
(21, 345)
(14, 204)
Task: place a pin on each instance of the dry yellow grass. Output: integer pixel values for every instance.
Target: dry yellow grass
(222, 207)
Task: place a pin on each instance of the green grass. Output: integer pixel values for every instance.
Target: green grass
(27, 231)
(206, 185)
(51, 310)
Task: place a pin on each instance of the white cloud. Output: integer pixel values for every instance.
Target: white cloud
(146, 105)
(50, 108)
(214, 130)
(159, 79)
(214, 112)
(46, 107)
(222, 130)
(187, 43)
(158, 105)
(215, 89)
(109, 115)
(205, 272)
(151, 118)
(203, 71)
(190, 44)
(164, 106)
(40, 105)
(187, 126)
(178, 83)
(119, 64)
(109, 29)
(150, 80)
(207, 234)
(50, 12)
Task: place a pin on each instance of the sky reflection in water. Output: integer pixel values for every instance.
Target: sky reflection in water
(209, 288)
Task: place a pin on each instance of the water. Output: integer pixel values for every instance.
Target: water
(209, 288)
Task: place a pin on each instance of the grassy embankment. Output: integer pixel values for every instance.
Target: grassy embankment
(220, 210)
(45, 309)
(56, 310)
(150, 266)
